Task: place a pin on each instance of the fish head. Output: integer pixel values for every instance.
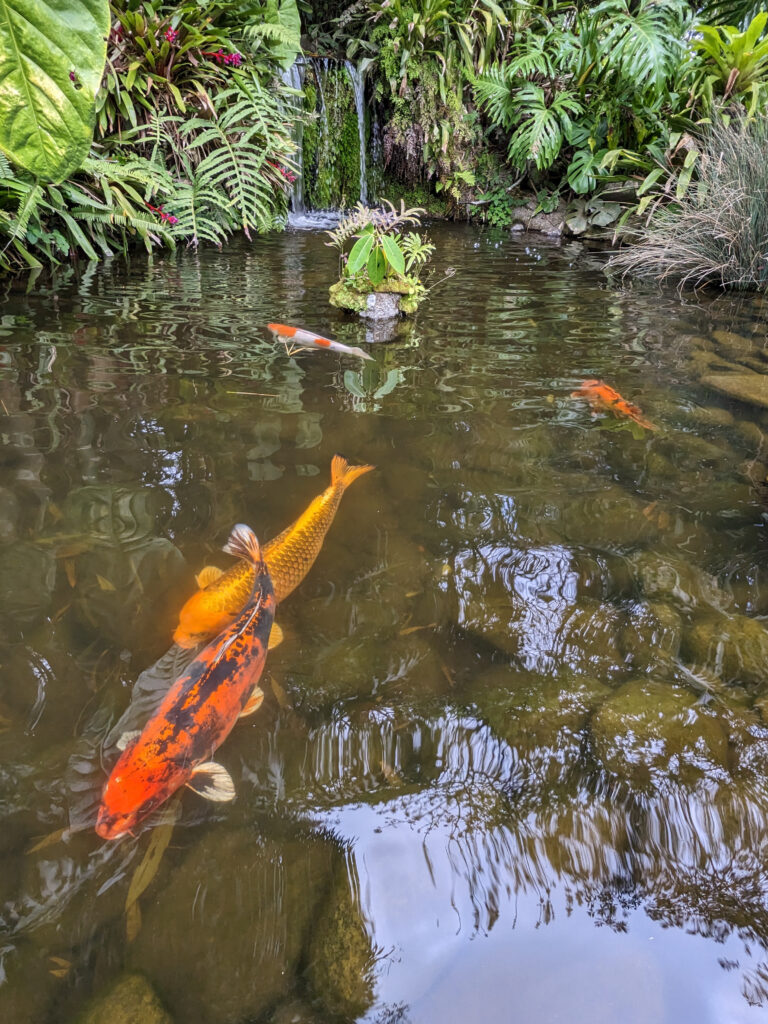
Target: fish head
(281, 330)
(587, 387)
(131, 793)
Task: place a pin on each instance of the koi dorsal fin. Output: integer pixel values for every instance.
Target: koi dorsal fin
(342, 473)
(243, 544)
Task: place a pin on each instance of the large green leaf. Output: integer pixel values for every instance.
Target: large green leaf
(359, 253)
(394, 254)
(46, 118)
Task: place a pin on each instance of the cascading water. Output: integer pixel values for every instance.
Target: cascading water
(358, 84)
(293, 77)
(332, 159)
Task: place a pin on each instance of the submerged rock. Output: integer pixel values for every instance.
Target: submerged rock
(747, 386)
(340, 955)
(683, 584)
(242, 906)
(27, 579)
(651, 732)
(132, 1000)
(733, 647)
(536, 711)
(652, 635)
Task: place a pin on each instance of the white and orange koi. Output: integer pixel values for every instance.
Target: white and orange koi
(300, 338)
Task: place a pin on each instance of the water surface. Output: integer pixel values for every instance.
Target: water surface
(512, 758)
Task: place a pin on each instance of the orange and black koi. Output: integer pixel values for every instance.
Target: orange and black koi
(197, 714)
(603, 398)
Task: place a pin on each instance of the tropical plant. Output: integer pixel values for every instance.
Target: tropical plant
(732, 65)
(50, 75)
(171, 57)
(579, 83)
(380, 259)
(717, 231)
(98, 211)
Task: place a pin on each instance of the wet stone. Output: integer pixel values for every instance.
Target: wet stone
(27, 579)
(536, 711)
(650, 732)
(734, 344)
(243, 906)
(748, 387)
(131, 1001)
(608, 518)
(733, 647)
(673, 580)
(652, 635)
(340, 954)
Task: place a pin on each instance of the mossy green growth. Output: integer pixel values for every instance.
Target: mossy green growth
(332, 143)
(352, 293)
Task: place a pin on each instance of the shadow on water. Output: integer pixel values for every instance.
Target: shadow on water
(515, 740)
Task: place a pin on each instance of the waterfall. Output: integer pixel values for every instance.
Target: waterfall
(358, 84)
(329, 133)
(294, 78)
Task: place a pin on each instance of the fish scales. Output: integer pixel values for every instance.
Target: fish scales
(289, 556)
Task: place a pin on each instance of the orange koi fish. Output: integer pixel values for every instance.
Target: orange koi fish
(298, 336)
(603, 398)
(197, 714)
(288, 558)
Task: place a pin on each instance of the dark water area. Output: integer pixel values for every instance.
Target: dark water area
(512, 759)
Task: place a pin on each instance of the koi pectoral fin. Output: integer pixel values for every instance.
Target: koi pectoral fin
(253, 703)
(208, 575)
(276, 637)
(212, 782)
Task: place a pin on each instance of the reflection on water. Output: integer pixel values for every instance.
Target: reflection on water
(515, 741)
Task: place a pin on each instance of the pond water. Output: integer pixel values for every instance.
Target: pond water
(512, 760)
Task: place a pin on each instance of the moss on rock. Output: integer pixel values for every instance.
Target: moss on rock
(341, 957)
(131, 1001)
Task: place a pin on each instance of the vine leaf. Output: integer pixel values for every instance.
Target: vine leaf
(52, 58)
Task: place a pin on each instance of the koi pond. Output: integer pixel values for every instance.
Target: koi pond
(512, 760)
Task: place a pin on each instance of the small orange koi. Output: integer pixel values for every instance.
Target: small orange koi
(298, 336)
(603, 398)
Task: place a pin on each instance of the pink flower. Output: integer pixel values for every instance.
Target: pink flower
(172, 35)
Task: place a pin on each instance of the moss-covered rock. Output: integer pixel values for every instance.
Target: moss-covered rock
(244, 907)
(651, 732)
(340, 954)
(733, 647)
(652, 635)
(530, 710)
(663, 578)
(352, 293)
(132, 1000)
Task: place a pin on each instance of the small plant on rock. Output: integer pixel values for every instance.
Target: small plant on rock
(382, 259)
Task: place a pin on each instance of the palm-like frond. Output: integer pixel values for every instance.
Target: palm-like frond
(495, 91)
(730, 12)
(247, 126)
(202, 212)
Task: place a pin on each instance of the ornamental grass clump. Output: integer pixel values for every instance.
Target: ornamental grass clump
(718, 232)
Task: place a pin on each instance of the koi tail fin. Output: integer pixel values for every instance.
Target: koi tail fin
(243, 544)
(342, 473)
